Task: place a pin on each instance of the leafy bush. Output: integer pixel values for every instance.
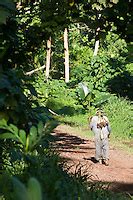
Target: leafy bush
(13, 101)
(120, 115)
(46, 177)
(29, 141)
(100, 69)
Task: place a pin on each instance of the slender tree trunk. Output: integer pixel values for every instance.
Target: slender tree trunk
(66, 51)
(48, 57)
(97, 42)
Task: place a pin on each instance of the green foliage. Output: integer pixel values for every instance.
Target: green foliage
(28, 141)
(13, 101)
(104, 72)
(56, 95)
(119, 112)
(18, 190)
(7, 12)
(47, 178)
(24, 149)
(54, 15)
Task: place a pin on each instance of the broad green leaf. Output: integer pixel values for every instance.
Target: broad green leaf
(3, 123)
(34, 189)
(13, 129)
(32, 136)
(33, 131)
(22, 135)
(83, 90)
(7, 135)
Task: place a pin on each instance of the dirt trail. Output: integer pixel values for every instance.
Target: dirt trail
(77, 150)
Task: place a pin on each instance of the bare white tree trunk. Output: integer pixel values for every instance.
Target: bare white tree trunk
(48, 57)
(66, 51)
(97, 42)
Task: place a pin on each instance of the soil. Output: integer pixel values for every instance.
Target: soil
(79, 153)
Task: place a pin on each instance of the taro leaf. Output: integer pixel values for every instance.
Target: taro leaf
(83, 90)
(22, 135)
(8, 135)
(40, 128)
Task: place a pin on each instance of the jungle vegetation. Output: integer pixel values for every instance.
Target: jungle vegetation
(60, 60)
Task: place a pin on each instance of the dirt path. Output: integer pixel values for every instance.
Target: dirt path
(81, 151)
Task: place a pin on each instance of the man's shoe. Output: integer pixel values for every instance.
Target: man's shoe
(106, 162)
(100, 162)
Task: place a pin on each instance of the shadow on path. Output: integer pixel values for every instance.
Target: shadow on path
(75, 150)
(70, 143)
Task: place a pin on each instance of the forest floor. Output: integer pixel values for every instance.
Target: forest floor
(79, 153)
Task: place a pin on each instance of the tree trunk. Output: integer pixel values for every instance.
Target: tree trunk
(96, 43)
(66, 51)
(48, 57)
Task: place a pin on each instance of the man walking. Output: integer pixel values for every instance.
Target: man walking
(100, 126)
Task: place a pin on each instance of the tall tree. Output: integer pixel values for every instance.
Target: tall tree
(48, 56)
(66, 50)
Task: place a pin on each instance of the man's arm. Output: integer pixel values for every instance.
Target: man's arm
(91, 123)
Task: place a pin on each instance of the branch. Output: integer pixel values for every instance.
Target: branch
(35, 70)
(53, 112)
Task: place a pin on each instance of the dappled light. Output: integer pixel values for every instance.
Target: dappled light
(60, 62)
